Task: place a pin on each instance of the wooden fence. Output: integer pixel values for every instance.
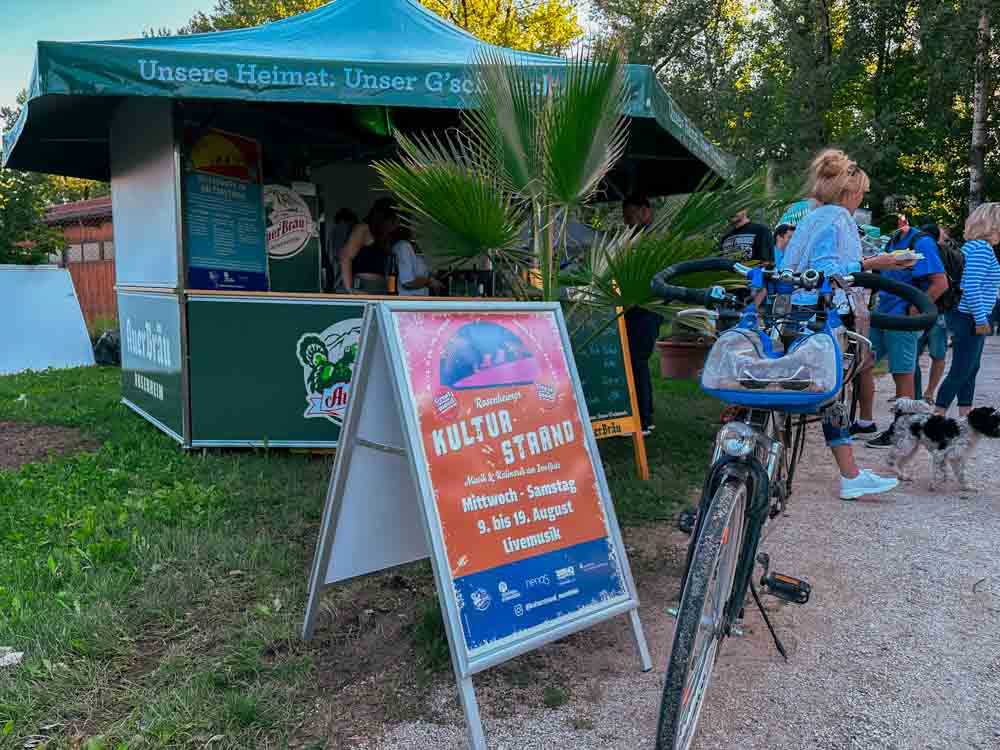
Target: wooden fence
(95, 287)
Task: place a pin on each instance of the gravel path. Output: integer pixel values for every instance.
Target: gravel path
(899, 647)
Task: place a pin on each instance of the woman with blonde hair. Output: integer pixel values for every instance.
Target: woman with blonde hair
(970, 321)
(827, 240)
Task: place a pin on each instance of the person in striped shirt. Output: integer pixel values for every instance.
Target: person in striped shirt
(970, 321)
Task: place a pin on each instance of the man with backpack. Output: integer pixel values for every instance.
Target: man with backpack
(935, 341)
(900, 347)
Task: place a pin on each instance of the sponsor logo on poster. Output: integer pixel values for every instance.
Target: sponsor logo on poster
(327, 361)
(445, 402)
(290, 223)
(481, 600)
(546, 392)
(565, 575)
(507, 594)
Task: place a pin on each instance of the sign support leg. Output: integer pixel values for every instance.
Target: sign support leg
(638, 441)
(640, 641)
(467, 694)
(641, 462)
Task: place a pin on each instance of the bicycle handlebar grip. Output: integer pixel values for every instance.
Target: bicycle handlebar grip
(928, 312)
(670, 293)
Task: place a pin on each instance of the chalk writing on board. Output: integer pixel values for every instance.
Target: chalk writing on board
(601, 363)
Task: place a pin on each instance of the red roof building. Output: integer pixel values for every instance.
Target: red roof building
(89, 253)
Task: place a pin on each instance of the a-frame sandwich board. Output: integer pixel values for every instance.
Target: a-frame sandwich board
(467, 441)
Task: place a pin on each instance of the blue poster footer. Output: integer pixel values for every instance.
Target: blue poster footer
(212, 278)
(501, 602)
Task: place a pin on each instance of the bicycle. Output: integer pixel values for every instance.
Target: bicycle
(756, 454)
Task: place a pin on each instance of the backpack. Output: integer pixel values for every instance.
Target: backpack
(954, 266)
(108, 349)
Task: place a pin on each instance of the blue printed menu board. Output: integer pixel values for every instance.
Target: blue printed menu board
(224, 231)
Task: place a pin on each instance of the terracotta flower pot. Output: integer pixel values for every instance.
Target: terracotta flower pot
(682, 360)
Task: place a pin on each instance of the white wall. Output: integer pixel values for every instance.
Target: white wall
(43, 326)
(143, 193)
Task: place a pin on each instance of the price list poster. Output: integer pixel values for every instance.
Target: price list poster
(224, 232)
(524, 526)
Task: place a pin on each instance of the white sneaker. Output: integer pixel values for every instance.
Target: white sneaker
(865, 483)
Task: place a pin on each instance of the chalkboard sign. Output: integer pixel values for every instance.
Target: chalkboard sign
(600, 360)
(600, 349)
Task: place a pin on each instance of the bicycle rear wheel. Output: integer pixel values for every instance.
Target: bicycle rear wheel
(701, 617)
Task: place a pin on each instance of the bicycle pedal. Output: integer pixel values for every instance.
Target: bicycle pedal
(790, 589)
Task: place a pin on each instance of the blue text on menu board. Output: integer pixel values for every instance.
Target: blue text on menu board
(224, 233)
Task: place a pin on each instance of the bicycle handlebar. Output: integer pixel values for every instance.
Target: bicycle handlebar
(927, 310)
(705, 297)
(810, 280)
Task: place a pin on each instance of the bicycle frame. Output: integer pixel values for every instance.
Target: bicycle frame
(755, 468)
(752, 457)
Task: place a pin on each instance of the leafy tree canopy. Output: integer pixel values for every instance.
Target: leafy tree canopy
(773, 81)
(533, 25)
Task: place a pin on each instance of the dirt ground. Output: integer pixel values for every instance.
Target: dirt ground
(899, 647)
(26, 443)
(370, 679)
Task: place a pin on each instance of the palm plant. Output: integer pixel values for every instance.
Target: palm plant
(529, 154)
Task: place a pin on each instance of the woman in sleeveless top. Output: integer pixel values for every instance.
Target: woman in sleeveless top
(364, 254)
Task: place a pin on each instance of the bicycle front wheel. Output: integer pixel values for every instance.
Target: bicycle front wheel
(701, 617)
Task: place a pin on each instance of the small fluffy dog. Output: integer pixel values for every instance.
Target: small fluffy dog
(950, 442)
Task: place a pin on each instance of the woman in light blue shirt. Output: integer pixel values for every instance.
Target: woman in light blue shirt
(827, 240)
(970, 322)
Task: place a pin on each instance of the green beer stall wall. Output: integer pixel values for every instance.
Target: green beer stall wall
(270, 370)
(217, 368)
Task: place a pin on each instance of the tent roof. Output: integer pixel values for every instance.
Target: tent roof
(393, 53)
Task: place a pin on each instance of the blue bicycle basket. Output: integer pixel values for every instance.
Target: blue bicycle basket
(742, 368)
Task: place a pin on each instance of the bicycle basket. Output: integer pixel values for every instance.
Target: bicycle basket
(741, 369)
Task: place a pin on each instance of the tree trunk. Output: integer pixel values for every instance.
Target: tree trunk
(980, 112)
(824, 63)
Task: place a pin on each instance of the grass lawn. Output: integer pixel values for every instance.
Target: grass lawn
(158, 594)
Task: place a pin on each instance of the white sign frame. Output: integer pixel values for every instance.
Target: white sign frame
(366, 439)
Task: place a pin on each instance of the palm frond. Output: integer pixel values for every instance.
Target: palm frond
(584, 131)
(707, 210)
(503, 119)
(629, 268)
(459, 208)
(622, 265)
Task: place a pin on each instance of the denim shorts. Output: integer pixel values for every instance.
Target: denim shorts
(936, 339)
(899, 346)
(836, 425)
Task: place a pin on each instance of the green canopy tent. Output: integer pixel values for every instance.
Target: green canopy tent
(295, 110)
(393, 54)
